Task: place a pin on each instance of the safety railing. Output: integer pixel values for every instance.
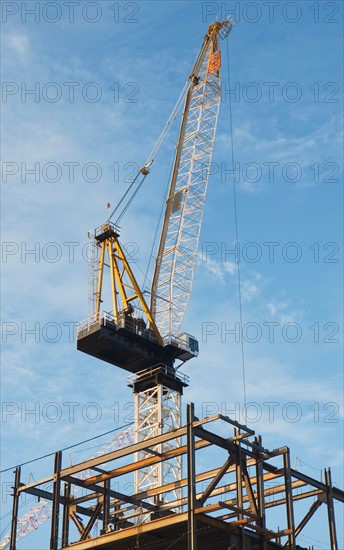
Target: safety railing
(103, 318)
(106, 226)
(156, 369)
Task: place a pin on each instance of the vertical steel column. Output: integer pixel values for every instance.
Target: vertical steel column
(192, 529)
(116, 508)
(239, 488)
(65, 519)
(55, 514)
(15, 509)
(330, 511)
(160, 431)
(289, 500)
(106, 505)
(260, 490)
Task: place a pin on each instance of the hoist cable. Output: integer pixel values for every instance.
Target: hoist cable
(169, 123)
(130, 200)
(236, 236)
(125, 194)
(152, 155)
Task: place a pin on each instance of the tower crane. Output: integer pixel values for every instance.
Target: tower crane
(145, 338)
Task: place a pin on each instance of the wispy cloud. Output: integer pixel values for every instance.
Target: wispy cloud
(19, 45)
(215, 269)
(283, 311)
(250, 288)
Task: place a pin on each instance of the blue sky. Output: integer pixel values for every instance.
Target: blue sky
(286, 77)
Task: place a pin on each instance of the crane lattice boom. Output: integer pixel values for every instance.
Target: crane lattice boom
(177, 253)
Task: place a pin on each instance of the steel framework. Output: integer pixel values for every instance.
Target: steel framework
(224, 507)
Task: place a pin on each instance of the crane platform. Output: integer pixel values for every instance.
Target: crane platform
(124, 346)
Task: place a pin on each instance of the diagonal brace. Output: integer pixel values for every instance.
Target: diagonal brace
(308, 516)
(79, 525)
(87, 529)
(249, 490)
(216, 479)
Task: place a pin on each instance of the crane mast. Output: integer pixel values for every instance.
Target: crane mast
(146, 341)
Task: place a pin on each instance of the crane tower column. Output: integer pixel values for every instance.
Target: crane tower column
(157, 406)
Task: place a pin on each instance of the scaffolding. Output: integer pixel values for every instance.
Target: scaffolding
(226, 507)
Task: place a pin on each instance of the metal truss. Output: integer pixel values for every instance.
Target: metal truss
(93, 273)
(127, 297)
(157, 411)
(177, 254)
(224, 507)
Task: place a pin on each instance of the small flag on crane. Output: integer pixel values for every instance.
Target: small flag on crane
(214, 62)
(108, 205)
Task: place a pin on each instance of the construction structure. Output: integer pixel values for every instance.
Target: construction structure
(228, 506)
(224, 508)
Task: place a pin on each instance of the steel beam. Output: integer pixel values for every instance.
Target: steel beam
(216, 479)
(283, 501)
(242, 427)
(338, 494)
(87, 529)
(45, 495)
(308, 516)
(106, 505)
(143, 463)
(289, 500)
(222, 442)
(249, 490)
(98, 489)
(260, 490)
(330, 511)
(204, 476)
(55, 514)
(15, 509)
(192, 527)
(239, 511)
(78, 523)
(65, 521)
